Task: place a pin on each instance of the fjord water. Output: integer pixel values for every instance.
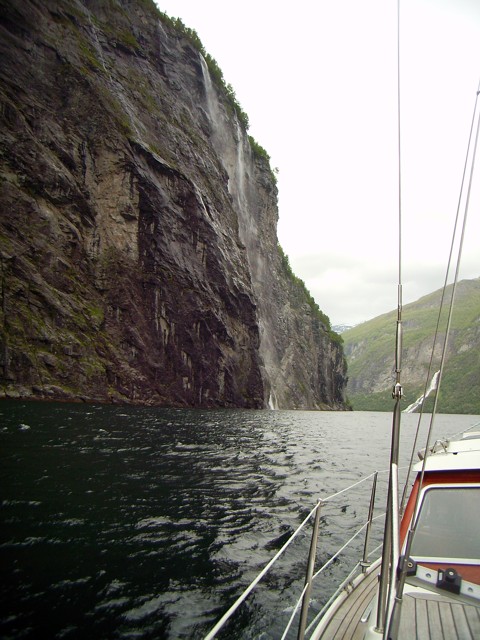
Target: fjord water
(127, 522)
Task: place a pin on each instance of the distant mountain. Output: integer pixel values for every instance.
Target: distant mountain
(370, 347)
(341, 328)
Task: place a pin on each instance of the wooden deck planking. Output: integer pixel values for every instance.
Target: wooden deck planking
(448, 626)
(408, 620)
(422, 618)
(351, 627)
(434, 620)
(473, 618)
(460, 621)
(345, 624)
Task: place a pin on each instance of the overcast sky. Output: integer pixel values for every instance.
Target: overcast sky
(317, 79)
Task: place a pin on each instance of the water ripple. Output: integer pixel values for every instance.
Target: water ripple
(142, 523)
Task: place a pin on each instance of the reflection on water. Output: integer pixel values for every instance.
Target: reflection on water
(121, 522)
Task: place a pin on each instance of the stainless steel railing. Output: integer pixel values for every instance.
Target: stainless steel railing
(310, 575)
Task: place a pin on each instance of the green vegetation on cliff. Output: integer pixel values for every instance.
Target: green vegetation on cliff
(217, 76)
(309, 299)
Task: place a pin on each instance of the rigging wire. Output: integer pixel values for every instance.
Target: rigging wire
(391, 550)
(455, 282)
(470, 159)
(443, 295)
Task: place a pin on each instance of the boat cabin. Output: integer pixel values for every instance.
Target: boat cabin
(447, 527)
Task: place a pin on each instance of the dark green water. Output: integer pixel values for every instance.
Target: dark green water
(121, 522)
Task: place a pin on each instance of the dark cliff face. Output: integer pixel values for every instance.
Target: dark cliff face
(139, 258)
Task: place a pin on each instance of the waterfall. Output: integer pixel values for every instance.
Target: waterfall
(232, 147)
(228, 143)
(272, 401)
(240, 171)
(419, 401)
(210, 96)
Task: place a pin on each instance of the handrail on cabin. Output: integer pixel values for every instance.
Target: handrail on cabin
(228, 614)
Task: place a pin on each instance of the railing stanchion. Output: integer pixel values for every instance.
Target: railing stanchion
(365, 561)
(309, 576)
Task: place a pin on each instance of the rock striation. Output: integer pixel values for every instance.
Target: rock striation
(139, 255)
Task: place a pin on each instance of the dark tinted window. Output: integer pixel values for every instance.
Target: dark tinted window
(449, 524)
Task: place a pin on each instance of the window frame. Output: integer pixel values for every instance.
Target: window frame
(435, 559)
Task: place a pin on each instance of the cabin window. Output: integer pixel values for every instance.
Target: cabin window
(449, 524)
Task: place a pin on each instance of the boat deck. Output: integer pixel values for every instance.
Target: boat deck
(422, 617)
(346, 623)
(440, 618)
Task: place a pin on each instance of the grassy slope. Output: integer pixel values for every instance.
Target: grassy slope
(374, 344)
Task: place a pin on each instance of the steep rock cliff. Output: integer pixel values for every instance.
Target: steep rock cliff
(139, 256)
